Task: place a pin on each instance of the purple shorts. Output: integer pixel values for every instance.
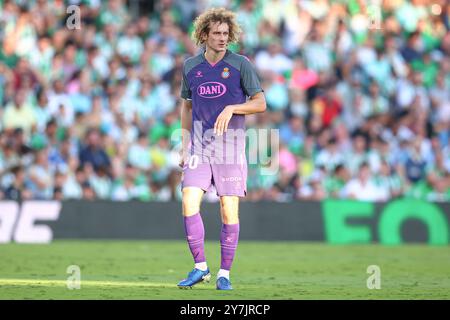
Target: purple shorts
(228, 179)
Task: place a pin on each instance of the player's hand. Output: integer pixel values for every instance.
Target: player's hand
(221, 124)
(183, 158)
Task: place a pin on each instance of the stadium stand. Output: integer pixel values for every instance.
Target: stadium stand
(359, 91)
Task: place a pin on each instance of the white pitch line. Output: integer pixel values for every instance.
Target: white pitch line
(89, 283)
(94, 283)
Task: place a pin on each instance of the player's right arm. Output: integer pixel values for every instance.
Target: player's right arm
(186, 125)
(186, 117)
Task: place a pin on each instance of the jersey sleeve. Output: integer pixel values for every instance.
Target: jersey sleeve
(249, 79)
(185, 90)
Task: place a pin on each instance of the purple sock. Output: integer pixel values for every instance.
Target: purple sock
(228, 243)
(195, 235)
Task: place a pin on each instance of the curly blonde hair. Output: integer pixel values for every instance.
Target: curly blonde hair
(203, 22)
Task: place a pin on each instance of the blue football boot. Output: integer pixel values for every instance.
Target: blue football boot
(194, 277)
(223, 284)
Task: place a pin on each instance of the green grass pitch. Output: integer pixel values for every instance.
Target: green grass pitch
(262, 270)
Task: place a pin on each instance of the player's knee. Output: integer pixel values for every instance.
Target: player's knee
(190, 209)
(230, 210)
(230, 218)
(191, 202)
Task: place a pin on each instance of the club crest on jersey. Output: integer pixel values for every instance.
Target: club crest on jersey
(225, 73)
(211, 89)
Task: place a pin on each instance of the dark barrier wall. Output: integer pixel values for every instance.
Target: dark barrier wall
(138, 220)
(333, 221)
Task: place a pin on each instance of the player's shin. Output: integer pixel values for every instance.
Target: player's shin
(195, 235)
(228, 244)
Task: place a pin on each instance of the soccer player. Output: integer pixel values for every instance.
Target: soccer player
(219, 88)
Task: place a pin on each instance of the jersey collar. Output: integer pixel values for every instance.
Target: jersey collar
(227, 52)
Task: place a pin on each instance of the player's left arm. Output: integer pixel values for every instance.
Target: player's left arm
(252, 88)
(255, 104)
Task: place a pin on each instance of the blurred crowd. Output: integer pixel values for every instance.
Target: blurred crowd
(359, 91)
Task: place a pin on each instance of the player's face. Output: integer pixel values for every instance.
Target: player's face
(217, 38)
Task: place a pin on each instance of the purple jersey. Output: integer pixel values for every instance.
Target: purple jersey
(213, 87)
